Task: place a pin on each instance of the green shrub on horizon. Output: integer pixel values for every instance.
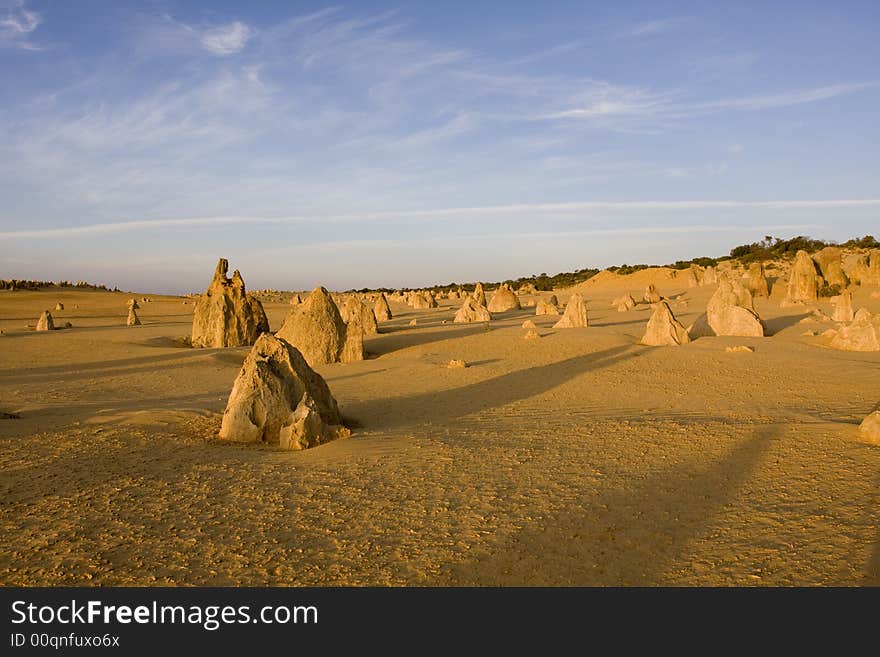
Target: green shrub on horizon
(770, 248)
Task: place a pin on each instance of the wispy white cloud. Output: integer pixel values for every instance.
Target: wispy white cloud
(165, 35)
(226, 39)
(582, 208)
(636, 230)
(784, 99)
(647, 28)
(546, 53)
(726, 66)
(355, 246)
(455, 126)
(17, 22)
(637, 103)
(174, 113)
(610, 107)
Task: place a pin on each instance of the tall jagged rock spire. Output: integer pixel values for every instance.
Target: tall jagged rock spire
(226, 316)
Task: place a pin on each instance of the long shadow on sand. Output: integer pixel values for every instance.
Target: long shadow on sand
(621, 537)
(136, 455)
(330, 378)
(450, 404)
(777, 324)
(386, 343)
(69, 372)
(214, 401)
(640, 321)
(77, 473)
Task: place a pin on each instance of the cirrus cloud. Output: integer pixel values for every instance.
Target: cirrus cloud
(226, 39)
(17, 22)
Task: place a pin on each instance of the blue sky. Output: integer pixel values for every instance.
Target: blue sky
(405, 144)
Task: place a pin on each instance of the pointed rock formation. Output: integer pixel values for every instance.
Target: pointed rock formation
(258, 314)
(663, 329)
(471, 311)
(529, 324)
(692, 276)
(803, 282)
(423, 301)
(861, 334)
(831, 266)
(316, 329)
(356, 329)
(503, 300)
(308, 428)
(479, 296)
(548, 307)
(575, 313)
(45, 323)
(226, 316)
(624, 303)
(132, 303)
(59, 306)
(651, 294)
(869, 429)
(859, 272)
(381, 309)
(874, 268)
(366, 319)
(710, 276)
(353, 349)
(843, 308)
(730, 311)
(133, 319)
(278, 399)
(531, 334)
(757, 283)
(295, 299)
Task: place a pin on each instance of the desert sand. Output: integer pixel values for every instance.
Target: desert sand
(582, 457)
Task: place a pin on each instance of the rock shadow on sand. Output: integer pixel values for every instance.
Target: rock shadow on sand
(94, 370)
(601, 543)
(450, 404)
(778, 324)
(397, 340)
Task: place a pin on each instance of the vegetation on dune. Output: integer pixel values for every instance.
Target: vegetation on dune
(771, 248)
(19, 284)
(702, 262)
(623, 270)
(866, 242)
(544, 282)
